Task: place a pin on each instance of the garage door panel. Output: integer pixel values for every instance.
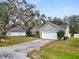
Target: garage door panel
(49, 35)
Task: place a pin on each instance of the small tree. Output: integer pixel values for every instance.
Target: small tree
(60, 34)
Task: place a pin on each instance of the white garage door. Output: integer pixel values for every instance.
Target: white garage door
(49, 35)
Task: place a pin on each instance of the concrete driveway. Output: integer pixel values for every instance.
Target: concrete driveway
(29, 46)
(24, 48)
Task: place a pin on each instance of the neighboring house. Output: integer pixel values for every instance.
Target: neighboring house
(49, 30)
(35, 29)
(16, 32)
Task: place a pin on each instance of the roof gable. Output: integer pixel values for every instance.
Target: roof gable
(49, 26)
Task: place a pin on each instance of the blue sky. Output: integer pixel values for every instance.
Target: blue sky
(58, 8)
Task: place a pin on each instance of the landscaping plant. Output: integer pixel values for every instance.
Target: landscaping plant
(60, 33)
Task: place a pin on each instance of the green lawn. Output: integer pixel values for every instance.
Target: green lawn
(59, 50)
(16, 40)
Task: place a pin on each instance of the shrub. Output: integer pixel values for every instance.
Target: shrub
(60, 34)
(28, 32)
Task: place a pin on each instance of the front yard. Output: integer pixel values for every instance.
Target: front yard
(68, 49)
(16, 40)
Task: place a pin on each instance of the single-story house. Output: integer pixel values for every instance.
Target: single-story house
(49, 30)
(16, 32)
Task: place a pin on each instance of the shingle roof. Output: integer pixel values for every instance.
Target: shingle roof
(16, 30)
(63, 26)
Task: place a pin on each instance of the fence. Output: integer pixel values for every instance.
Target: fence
(76, 35)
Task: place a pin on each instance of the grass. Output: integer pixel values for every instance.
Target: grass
(16, 40)
(60, 50)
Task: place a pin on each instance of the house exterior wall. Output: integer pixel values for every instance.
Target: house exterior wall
(48, 31)
(68, 35)
(16, 34)
(67, 32)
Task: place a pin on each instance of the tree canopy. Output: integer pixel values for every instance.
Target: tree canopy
(73, 22)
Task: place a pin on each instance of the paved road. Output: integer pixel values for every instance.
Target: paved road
(29, 46)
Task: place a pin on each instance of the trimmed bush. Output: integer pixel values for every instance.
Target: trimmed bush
(60, 34)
